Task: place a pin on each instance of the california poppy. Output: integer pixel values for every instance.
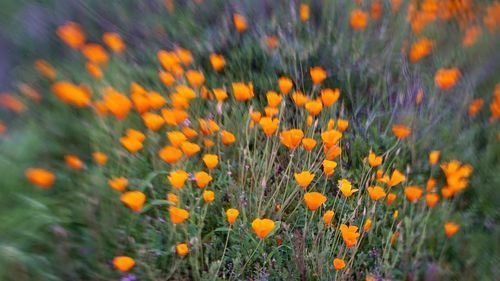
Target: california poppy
(118, 184)
(114, 41)
(308, 143)
(329, 96)
(331, 138)
(208, 196)
(446, 78)
(195, 78)
(374, 160)
(318, 74)
(329, 167)
(431, 199)
(189, 148)
(401, 131)
(263, 227)
(232, 215)
(40, 177)
(118, 104)
(133, 199)
(123, 263)
(178, 178)
(328, 216)
(314, 200)
(217, 62)
(176, 138)
(71, 94)
(45, 69)
(73, 162)
(367, 225)
(413, 193)
(72, 34)
(304, 12)
(314, 107)
(420, 49)
(95, 53)
(359, 19)
(240, 23)
(345, 187)
(182, 249)
(390, 198)
(396, 178)
(349, 234)
(177, 215)
(291, 138)
(338, 264)
(285, 84)
(202, 179)
(268, 125)
(170, 154)
(304, 178)
(100, 158)
(242, 91)
(342, 124)
(376, 193)
(451, 228)
(434, 157)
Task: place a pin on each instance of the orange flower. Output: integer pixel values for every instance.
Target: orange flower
(123, 263)
(272, 42)
(318, 74)
(177, 215)
(390, 198)
(413, 193)
(114, 41)
(338, 264)
(45, 68)
(208, 142)
(450, 228)
(401, 131)
(291, 138)
(376, 10)
(172, 198)
(359, 19)
(94, 70)
(170, 154)
(431, 199)
(156, 100)
(331, 138)
(374, 160)
(71, 94)
(329, 96)
(166, 78)
(419, 97)
(118, 104)
(202, 179)
(314, 200)
(367, 225)
(118, 184)
(349, 234)
(445, 79)
(345, 187)
(176, 138)
(456, 176)
(72, 34)
(95, 53)
(240, 23)
(189, 148)
(152, 121)
(184, 55)
(138, 135)
(475, 106)
(304, 178)
(242, 91)
(420, 49)
(73, 162)
(314, 107)
(174, 117)
(471, 35)
(271, 111)
(329, 167)
(178, 178)
(232, 215)
(131, 144)
(285, 85)
(189, 132)
(333, 152)
(182, 249)
(134, 200)
(308, 143)
(304, 12)
(195, 78)
(227, 137)
(342, 124)
(269, 125)
(431, 183)
(217, 62)
(208, 196)
(299, 99)
(12, 102)
(169, 60)
(262, 227)
(40, 177)
(328, 216)
(208, 127)
(434, 157)
(100, 158)
(273, 98)
(376, 193)
(210, 160)
(220, 94)
(396, 178)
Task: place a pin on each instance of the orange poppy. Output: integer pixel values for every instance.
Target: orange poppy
(195, 78)
(299, 99)
(242, 91)
(202, 179)
(308, 143)
(152, 121)
(401, 131)
(73, 162)
(45, 68)
(285, 84)
(345, 187)
(94, 70)
(376, 193)
(189, 148)
(329, 96)
(359, 19)
(374, 160)
(396, 178)
(367, 225)
(314, 200)
(100, 158)
(434, 157)
(208, 196)
(178, 178)
(71, 94)
(118, 104)
(263, 227)
(123, 263)
(114, 41)
(304, 178)
(349, 235)
(420, 49)
(331, 138)
(232, 215)
(210, 160)
(182, 249)
(318, 74)
(227, 138)
(451, 228)
(329, 167)
(40, 177)
(170, 154)
(95, 53)
(445, 79)
(134, 200)
(177, 215)
(390, 198)
(72, 34)
(431, 199)
(475, 106)
(166, 78)
(217, 62)
(240, 23)
(269, 125)
(304, 12)
(118, 184)
(342, 124)
(338, 264)
(176, 138)
(328, 216)
(291, 138)
(220, 94)
(413, 193)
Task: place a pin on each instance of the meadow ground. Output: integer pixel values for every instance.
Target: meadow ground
(249, 140)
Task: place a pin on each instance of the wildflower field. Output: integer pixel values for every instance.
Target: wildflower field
(250, 140)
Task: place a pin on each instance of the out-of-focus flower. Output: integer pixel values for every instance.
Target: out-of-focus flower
(72, 34)
(114, 41)
(40, 177)
(445, 79)
(359, 19)
(134, 200)
(240, 23)
(123, 263)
